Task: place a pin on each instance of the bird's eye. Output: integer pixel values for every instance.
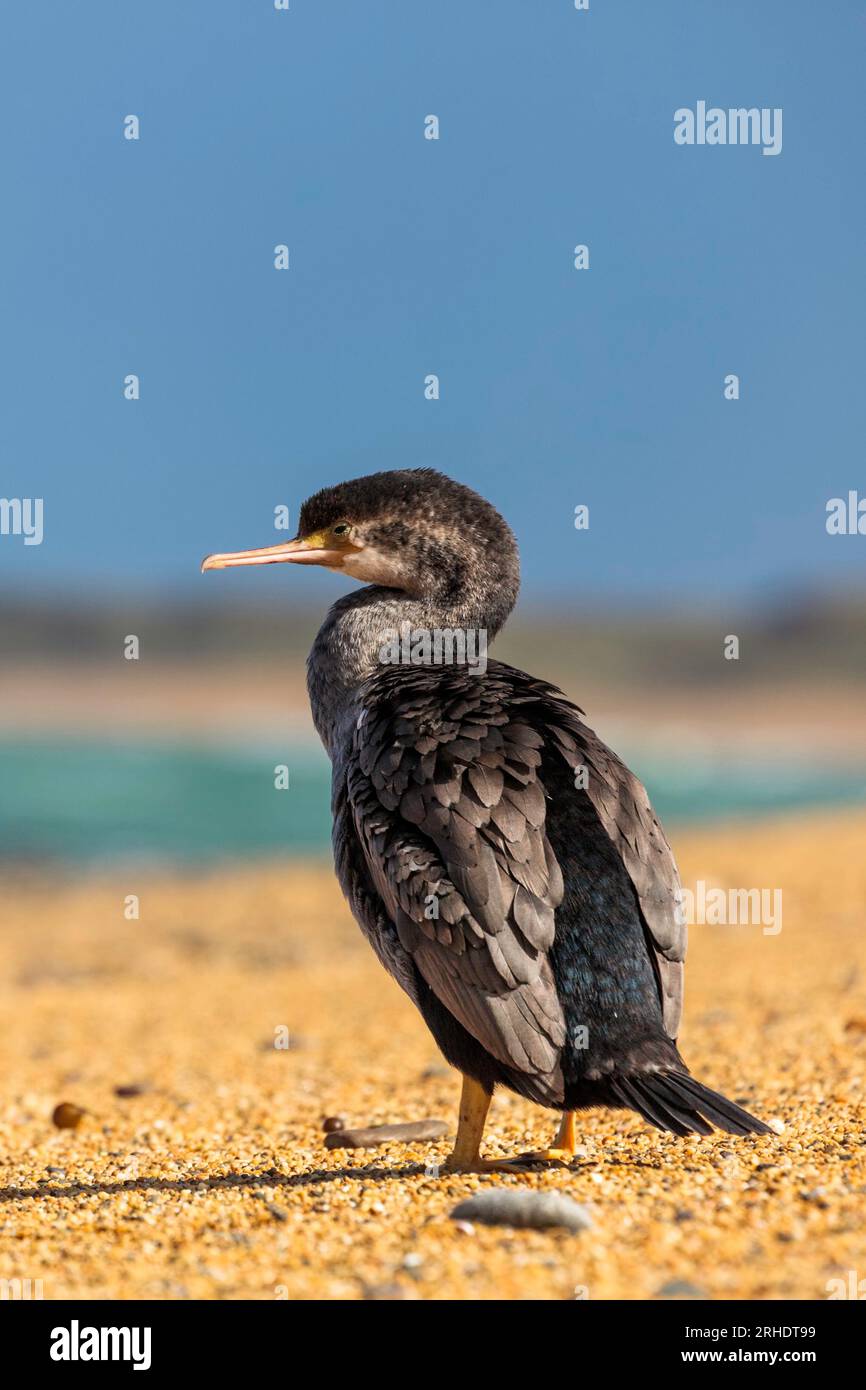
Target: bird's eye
(342, 529)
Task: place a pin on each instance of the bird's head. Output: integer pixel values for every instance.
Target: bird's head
(414, 530)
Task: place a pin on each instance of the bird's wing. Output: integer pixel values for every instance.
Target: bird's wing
(623, 808)
(363, 898)
(443, 785)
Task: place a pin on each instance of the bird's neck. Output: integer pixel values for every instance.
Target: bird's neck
(373, 627)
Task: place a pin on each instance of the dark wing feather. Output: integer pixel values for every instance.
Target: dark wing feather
(623, 808)
(442, 789)
(442, 783)
(366, 906)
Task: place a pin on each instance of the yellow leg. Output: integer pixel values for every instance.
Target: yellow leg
(466, 1157)
(566, 1137)
(563, 1148)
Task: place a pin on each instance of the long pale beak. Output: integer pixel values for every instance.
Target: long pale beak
(298, 552)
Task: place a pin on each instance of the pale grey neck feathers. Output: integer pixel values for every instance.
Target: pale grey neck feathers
(348, 646)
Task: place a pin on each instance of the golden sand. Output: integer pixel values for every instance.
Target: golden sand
(212, 1181)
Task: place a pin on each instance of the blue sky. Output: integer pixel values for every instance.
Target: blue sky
(410, 257)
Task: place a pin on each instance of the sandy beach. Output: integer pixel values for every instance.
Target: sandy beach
(210, 1179)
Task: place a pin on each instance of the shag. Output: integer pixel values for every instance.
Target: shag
(506, 867)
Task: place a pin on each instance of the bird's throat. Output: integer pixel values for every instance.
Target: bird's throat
(373, 627)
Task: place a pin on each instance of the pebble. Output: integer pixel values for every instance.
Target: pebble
(67, 1116)
(384, 1293)
(679, 1288)
(533, 1210)
(417, 1132)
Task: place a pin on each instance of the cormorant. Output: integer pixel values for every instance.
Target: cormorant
(506, 867)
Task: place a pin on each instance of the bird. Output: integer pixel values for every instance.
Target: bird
(504, 864)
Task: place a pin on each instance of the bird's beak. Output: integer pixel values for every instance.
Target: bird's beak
(309, 551)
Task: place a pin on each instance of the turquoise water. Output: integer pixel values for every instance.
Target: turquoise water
(86, 803)
(101, 801)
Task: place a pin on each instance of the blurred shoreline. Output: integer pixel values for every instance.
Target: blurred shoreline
(171, 758)
(151, 782)
(251, 697)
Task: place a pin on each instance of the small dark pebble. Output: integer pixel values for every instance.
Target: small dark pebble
(415, 1133)
(333, 1123)
(533, 1210)
(67, 1116)
(276, 1212)
(135, 1088)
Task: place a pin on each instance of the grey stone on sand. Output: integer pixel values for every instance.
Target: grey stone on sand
(417, 1132)
(529, 1210)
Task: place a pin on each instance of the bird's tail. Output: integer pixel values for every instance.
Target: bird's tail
(673, 1101)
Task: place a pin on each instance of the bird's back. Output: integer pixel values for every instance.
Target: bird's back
(602, 956)
(489, 883)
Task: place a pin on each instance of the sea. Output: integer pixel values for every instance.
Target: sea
(90, 803)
